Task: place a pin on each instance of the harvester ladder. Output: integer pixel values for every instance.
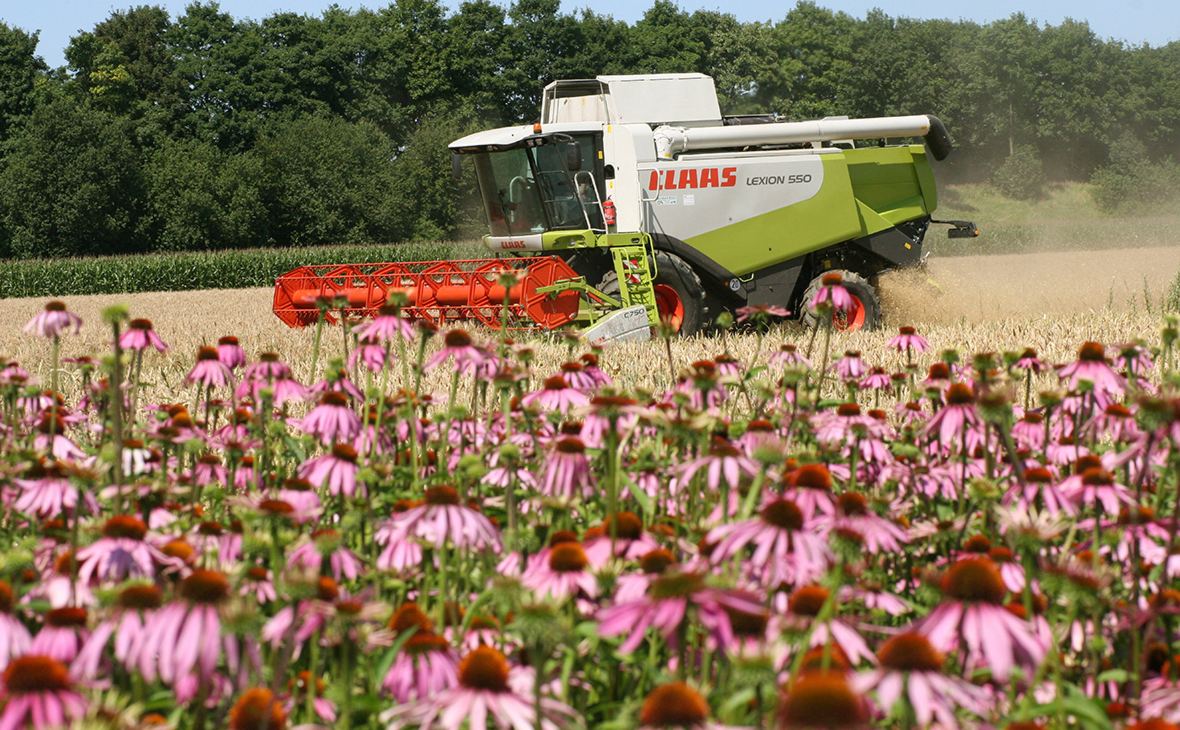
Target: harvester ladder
(635, 268)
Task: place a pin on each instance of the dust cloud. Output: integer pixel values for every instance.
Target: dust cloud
(1029, 285)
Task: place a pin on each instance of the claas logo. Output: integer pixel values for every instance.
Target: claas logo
(710, 177)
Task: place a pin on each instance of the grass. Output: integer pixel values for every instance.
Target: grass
(1066, 218)
(192, 271)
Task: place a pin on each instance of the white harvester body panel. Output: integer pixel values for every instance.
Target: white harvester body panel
(695, 195)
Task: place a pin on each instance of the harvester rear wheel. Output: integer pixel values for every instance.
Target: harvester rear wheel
(866, 310)
(680, 297)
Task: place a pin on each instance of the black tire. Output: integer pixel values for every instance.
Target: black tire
(857, 287)
(673, 272)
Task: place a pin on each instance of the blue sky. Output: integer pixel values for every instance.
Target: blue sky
(1155, 22)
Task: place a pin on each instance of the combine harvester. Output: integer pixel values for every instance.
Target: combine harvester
(634, 200)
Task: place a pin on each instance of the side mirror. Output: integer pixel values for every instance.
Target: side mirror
(456, 165)
(573, 156)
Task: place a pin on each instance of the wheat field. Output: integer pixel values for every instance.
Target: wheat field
(1051, 302)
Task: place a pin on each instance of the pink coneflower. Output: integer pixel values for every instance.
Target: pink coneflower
(631, 542)
(1091, 366)
(400, 553)
(676, 705)
(258, 709)
(873, 531)
(38, 694)
(426, 665)
(1041, 489)
(1116, 422)
(120, 553)
(1029, 432)
(849, 366)
(230, 353)
(810, 487)
(332, 421)
(722, 462)
(51, 437)
(832, 295)
(209, 372)
(267, 367)
(209, 470)
(184, 635)
(590, 367)
(372, 356)
(1091, 484)
(823, 699)
(556, 395)
(1029, 361)
(567, 474)
(846, 425)
(62, 635)
(783, 550)
(665, 607)
(908, 340)
(877, 379)
(327, 543)
(442, 518)
(46, 492)
(14, 637)
(562, 575)
(214, 541)
(789, 356)
(458, 345)
(728, 366)
(576, 377)
(804, 606)
(957, 415)
(973, 617)
(125, 624)
(297, 694)
(53, 321)
(258, 582)
(139, 335)
(387, 325)
(910, 665)
(484, 692)
(335, 470)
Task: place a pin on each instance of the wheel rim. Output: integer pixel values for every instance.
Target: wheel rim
(853, 319)
(669, 306)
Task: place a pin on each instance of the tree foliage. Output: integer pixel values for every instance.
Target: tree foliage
(203, 131)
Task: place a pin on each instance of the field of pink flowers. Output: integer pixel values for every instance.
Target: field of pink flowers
(807, 539)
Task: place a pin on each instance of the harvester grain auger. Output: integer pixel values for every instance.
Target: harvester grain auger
(634, 200)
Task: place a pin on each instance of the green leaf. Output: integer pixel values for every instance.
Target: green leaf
(640, 496)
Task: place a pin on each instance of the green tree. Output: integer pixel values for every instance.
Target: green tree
(127, 65)
(20, 68)
(669, 40)
(1078, 82)
(323, 181)
(72, 184)
(428, 204)
(811, 52)
(540, 42)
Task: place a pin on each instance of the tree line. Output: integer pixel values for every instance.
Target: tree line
(209, 132)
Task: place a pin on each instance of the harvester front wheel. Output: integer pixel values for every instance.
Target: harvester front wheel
(680, 296)
(866, 306)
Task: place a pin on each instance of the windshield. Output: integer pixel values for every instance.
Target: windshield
(527, 190)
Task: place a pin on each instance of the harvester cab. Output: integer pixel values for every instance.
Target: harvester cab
(634, 201)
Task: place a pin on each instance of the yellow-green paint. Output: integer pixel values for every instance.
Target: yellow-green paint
(864, 191)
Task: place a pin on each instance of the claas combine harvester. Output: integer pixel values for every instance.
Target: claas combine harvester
(634, 200)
